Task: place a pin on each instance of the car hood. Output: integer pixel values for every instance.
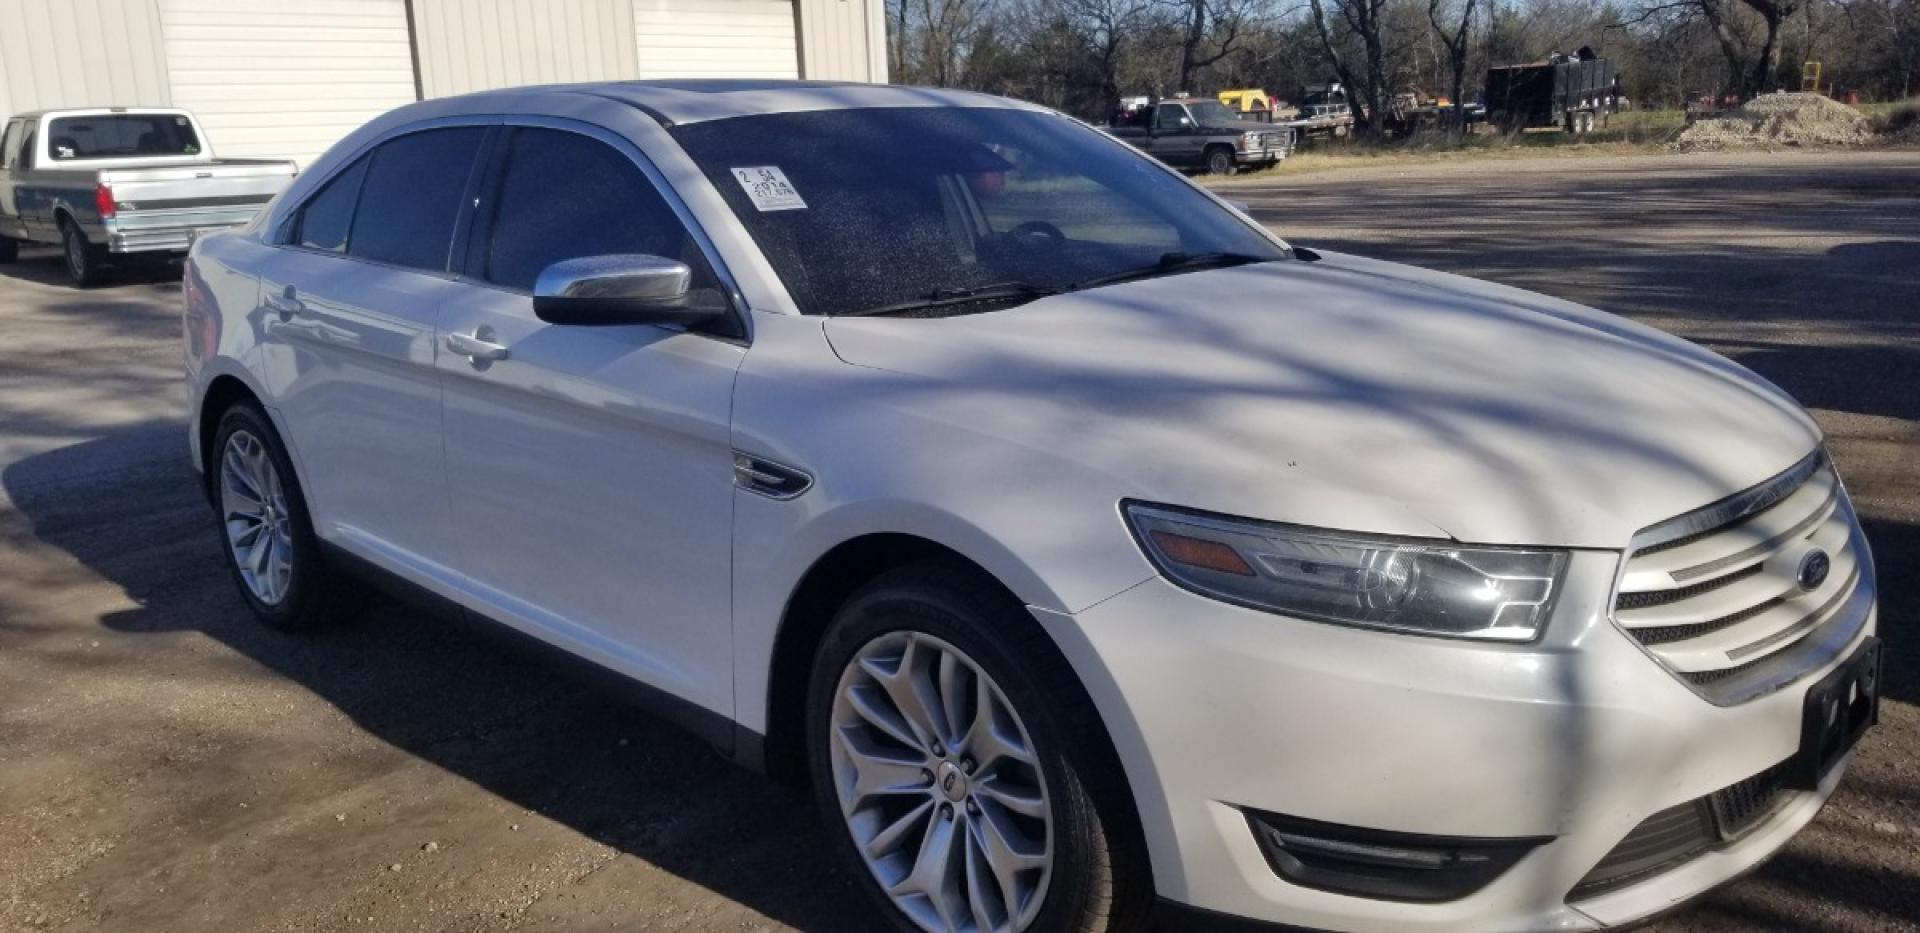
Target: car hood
(1355, 394)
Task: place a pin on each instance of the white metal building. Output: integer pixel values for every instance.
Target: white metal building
(286, 78)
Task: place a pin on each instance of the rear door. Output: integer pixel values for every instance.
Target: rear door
(590, 468)
(351, 297)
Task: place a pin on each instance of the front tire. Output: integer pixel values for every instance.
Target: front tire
(1219, 161)
(83, 259)
(266, 530)
(963, 774)
(9, 251)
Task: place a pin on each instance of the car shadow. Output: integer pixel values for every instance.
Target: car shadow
(448, 690)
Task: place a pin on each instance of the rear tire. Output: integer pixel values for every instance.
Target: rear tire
(266, 531)
(1043, 769)
(83, 259)
(9, 251)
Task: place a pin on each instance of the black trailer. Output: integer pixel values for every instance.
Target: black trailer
(1564, 92)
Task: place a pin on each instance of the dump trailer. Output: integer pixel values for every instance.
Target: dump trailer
(1569, 93)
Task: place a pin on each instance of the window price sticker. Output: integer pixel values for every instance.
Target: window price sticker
(769, 188)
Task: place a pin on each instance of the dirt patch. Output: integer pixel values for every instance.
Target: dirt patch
(1778, 121)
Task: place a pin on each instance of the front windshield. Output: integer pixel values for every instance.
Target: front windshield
(865, 209)
(1212, 113)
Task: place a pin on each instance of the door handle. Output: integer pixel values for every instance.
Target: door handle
(476, 346)
(286, 304)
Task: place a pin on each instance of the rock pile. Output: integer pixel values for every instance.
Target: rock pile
(1777, 121)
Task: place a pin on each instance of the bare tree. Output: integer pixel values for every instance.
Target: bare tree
(1213, 29)
(1365, 19)
(1766, 64)
(1456, 43)
(1110, 27)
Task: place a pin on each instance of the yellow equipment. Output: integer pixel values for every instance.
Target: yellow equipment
(1810, 77)
(1248, 101)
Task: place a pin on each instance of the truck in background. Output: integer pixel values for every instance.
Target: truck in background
(1200, 133)
(1570, 92)
(112, 182)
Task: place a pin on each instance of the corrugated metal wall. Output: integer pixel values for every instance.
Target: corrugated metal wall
(843, 40)
(286, 78)
(472, 45)
(79, 53)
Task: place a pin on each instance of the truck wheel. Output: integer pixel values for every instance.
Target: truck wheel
(83, 258)
(9, 250)
(1219, 161)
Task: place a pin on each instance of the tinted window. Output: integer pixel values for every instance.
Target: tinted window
(121, 135)
(326, 216)
(411, 196)
(27, 159)
(564, 196)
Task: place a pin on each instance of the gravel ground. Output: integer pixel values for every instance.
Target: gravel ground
(164, 765)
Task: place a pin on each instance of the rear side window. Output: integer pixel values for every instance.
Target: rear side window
(327, 216)
(410, 198)
(564, 196)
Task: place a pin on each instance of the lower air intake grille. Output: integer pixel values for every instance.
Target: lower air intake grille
(1674, 836)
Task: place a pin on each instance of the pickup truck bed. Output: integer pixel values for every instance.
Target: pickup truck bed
(101, 189)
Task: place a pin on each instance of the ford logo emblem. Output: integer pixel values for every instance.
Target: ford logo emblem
(1813, 569)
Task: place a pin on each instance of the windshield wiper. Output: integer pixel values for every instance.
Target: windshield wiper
(1171, 263)
(946, 297)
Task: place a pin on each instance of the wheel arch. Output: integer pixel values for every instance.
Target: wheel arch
(224, 388)
(833, 578)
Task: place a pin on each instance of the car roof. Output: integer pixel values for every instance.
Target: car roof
(697, 100)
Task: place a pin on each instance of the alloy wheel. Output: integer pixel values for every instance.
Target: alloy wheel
(940, 786)
(253, 506)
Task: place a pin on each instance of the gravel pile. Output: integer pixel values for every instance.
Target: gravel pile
(1778, 121)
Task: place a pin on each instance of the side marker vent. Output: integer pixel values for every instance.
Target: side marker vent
(768, 478)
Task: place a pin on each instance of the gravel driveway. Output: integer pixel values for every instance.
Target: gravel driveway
(166, 765)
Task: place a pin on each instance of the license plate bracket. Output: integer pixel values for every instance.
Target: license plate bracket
(1837, 711)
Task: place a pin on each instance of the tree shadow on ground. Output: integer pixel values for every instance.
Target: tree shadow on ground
(439, 686)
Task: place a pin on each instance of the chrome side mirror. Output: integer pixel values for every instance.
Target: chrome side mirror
(623, 289)
(1241, 206)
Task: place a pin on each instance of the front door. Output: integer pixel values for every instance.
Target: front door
(349, 301)
(1176, 140)
(589, 468)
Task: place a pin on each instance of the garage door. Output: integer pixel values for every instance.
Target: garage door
(286, 78)
(715, 39)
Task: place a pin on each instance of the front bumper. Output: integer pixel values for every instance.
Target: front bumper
(1580, 737)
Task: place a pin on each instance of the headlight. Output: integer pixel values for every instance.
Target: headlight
(1427, 587)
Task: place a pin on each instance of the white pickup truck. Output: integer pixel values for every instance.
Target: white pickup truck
(108, 182)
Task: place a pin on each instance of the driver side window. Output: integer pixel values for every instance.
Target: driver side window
(567, 196)
(1169, 117)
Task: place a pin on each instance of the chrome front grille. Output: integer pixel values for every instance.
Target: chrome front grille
(1731, 598)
